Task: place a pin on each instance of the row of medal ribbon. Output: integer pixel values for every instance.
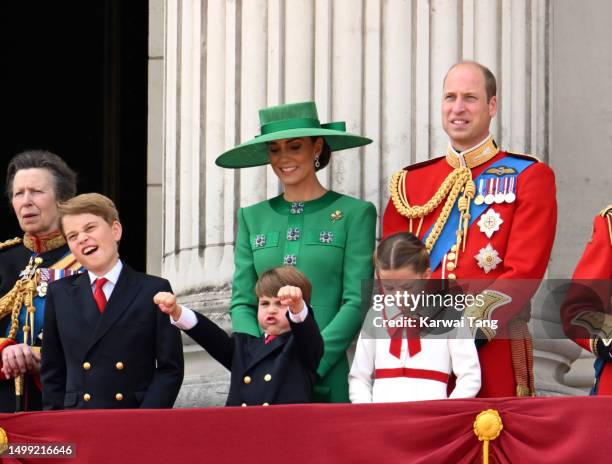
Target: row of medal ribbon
(496, 190)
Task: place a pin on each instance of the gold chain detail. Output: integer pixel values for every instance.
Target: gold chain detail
(22, 293)
(16, 306)
(460, 178)
(9, 243)
(401, 203)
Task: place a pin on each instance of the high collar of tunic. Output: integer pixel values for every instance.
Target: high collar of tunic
(472, 157)
(44, 243)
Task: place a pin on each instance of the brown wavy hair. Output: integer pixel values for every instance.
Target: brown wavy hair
(271, 281)
(401, 250)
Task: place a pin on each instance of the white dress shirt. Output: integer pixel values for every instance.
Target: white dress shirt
(112, 276)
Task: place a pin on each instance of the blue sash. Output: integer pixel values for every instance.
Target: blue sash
(448, 236)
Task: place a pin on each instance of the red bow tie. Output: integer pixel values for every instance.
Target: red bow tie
(412, 337)
(397, 335)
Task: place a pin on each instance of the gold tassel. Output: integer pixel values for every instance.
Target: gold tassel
(4, 442)
(464, 207)
(457, 245)
(31, 309)
(419, 228)
(522, 358)
(19, 383)
(22, 293)
(487, 426)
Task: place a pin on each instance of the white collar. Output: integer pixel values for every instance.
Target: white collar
(112, 276)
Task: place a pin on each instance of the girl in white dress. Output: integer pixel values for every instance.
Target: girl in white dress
(399, 363)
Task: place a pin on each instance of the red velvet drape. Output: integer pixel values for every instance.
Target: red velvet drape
(535, 430)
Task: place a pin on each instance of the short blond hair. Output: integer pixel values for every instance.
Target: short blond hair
(271, 281)
(89, 203)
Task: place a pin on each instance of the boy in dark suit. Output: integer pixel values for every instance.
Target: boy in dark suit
(279, 367)
(105, 344)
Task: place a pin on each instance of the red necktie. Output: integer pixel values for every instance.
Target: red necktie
(99, 295)
(412, 334)
(269, 338)
(412, 337)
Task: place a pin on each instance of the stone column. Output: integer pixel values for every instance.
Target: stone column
(155, 135)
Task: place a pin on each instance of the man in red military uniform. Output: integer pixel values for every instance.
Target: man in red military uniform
(483, 214)
(587, 310)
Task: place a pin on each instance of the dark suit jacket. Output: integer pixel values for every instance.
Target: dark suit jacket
(282, 371)
(128, 357)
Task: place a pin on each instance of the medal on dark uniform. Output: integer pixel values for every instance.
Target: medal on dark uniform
(511, 196)
(490, 197)
(42, 289)
(479, 200)
(499, 196)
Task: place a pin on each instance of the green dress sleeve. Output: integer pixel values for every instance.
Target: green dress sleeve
(357, 266)
(243, 307)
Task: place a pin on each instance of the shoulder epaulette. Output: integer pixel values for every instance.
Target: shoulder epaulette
(607, 211)
(9, 243)
(421, 164)
(525, 156)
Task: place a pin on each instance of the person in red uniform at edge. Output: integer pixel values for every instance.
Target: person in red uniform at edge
(483, 213)
(587, 310)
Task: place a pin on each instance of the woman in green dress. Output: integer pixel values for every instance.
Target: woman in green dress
(328, 236)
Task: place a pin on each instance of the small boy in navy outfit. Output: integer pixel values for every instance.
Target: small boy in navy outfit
(280, 366)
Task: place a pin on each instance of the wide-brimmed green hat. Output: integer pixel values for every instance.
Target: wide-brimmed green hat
(288, 121)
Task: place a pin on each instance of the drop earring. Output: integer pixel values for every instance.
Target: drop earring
(317, 163)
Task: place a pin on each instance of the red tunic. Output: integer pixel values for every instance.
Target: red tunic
(593, 279)
(523, 243)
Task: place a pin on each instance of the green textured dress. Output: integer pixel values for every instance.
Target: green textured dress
(330, 239)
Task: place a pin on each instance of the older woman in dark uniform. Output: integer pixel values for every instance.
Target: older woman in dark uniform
(36, 181)
(328, 236)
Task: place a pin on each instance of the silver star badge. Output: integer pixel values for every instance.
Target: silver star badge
(489, 222)
(488, 258)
